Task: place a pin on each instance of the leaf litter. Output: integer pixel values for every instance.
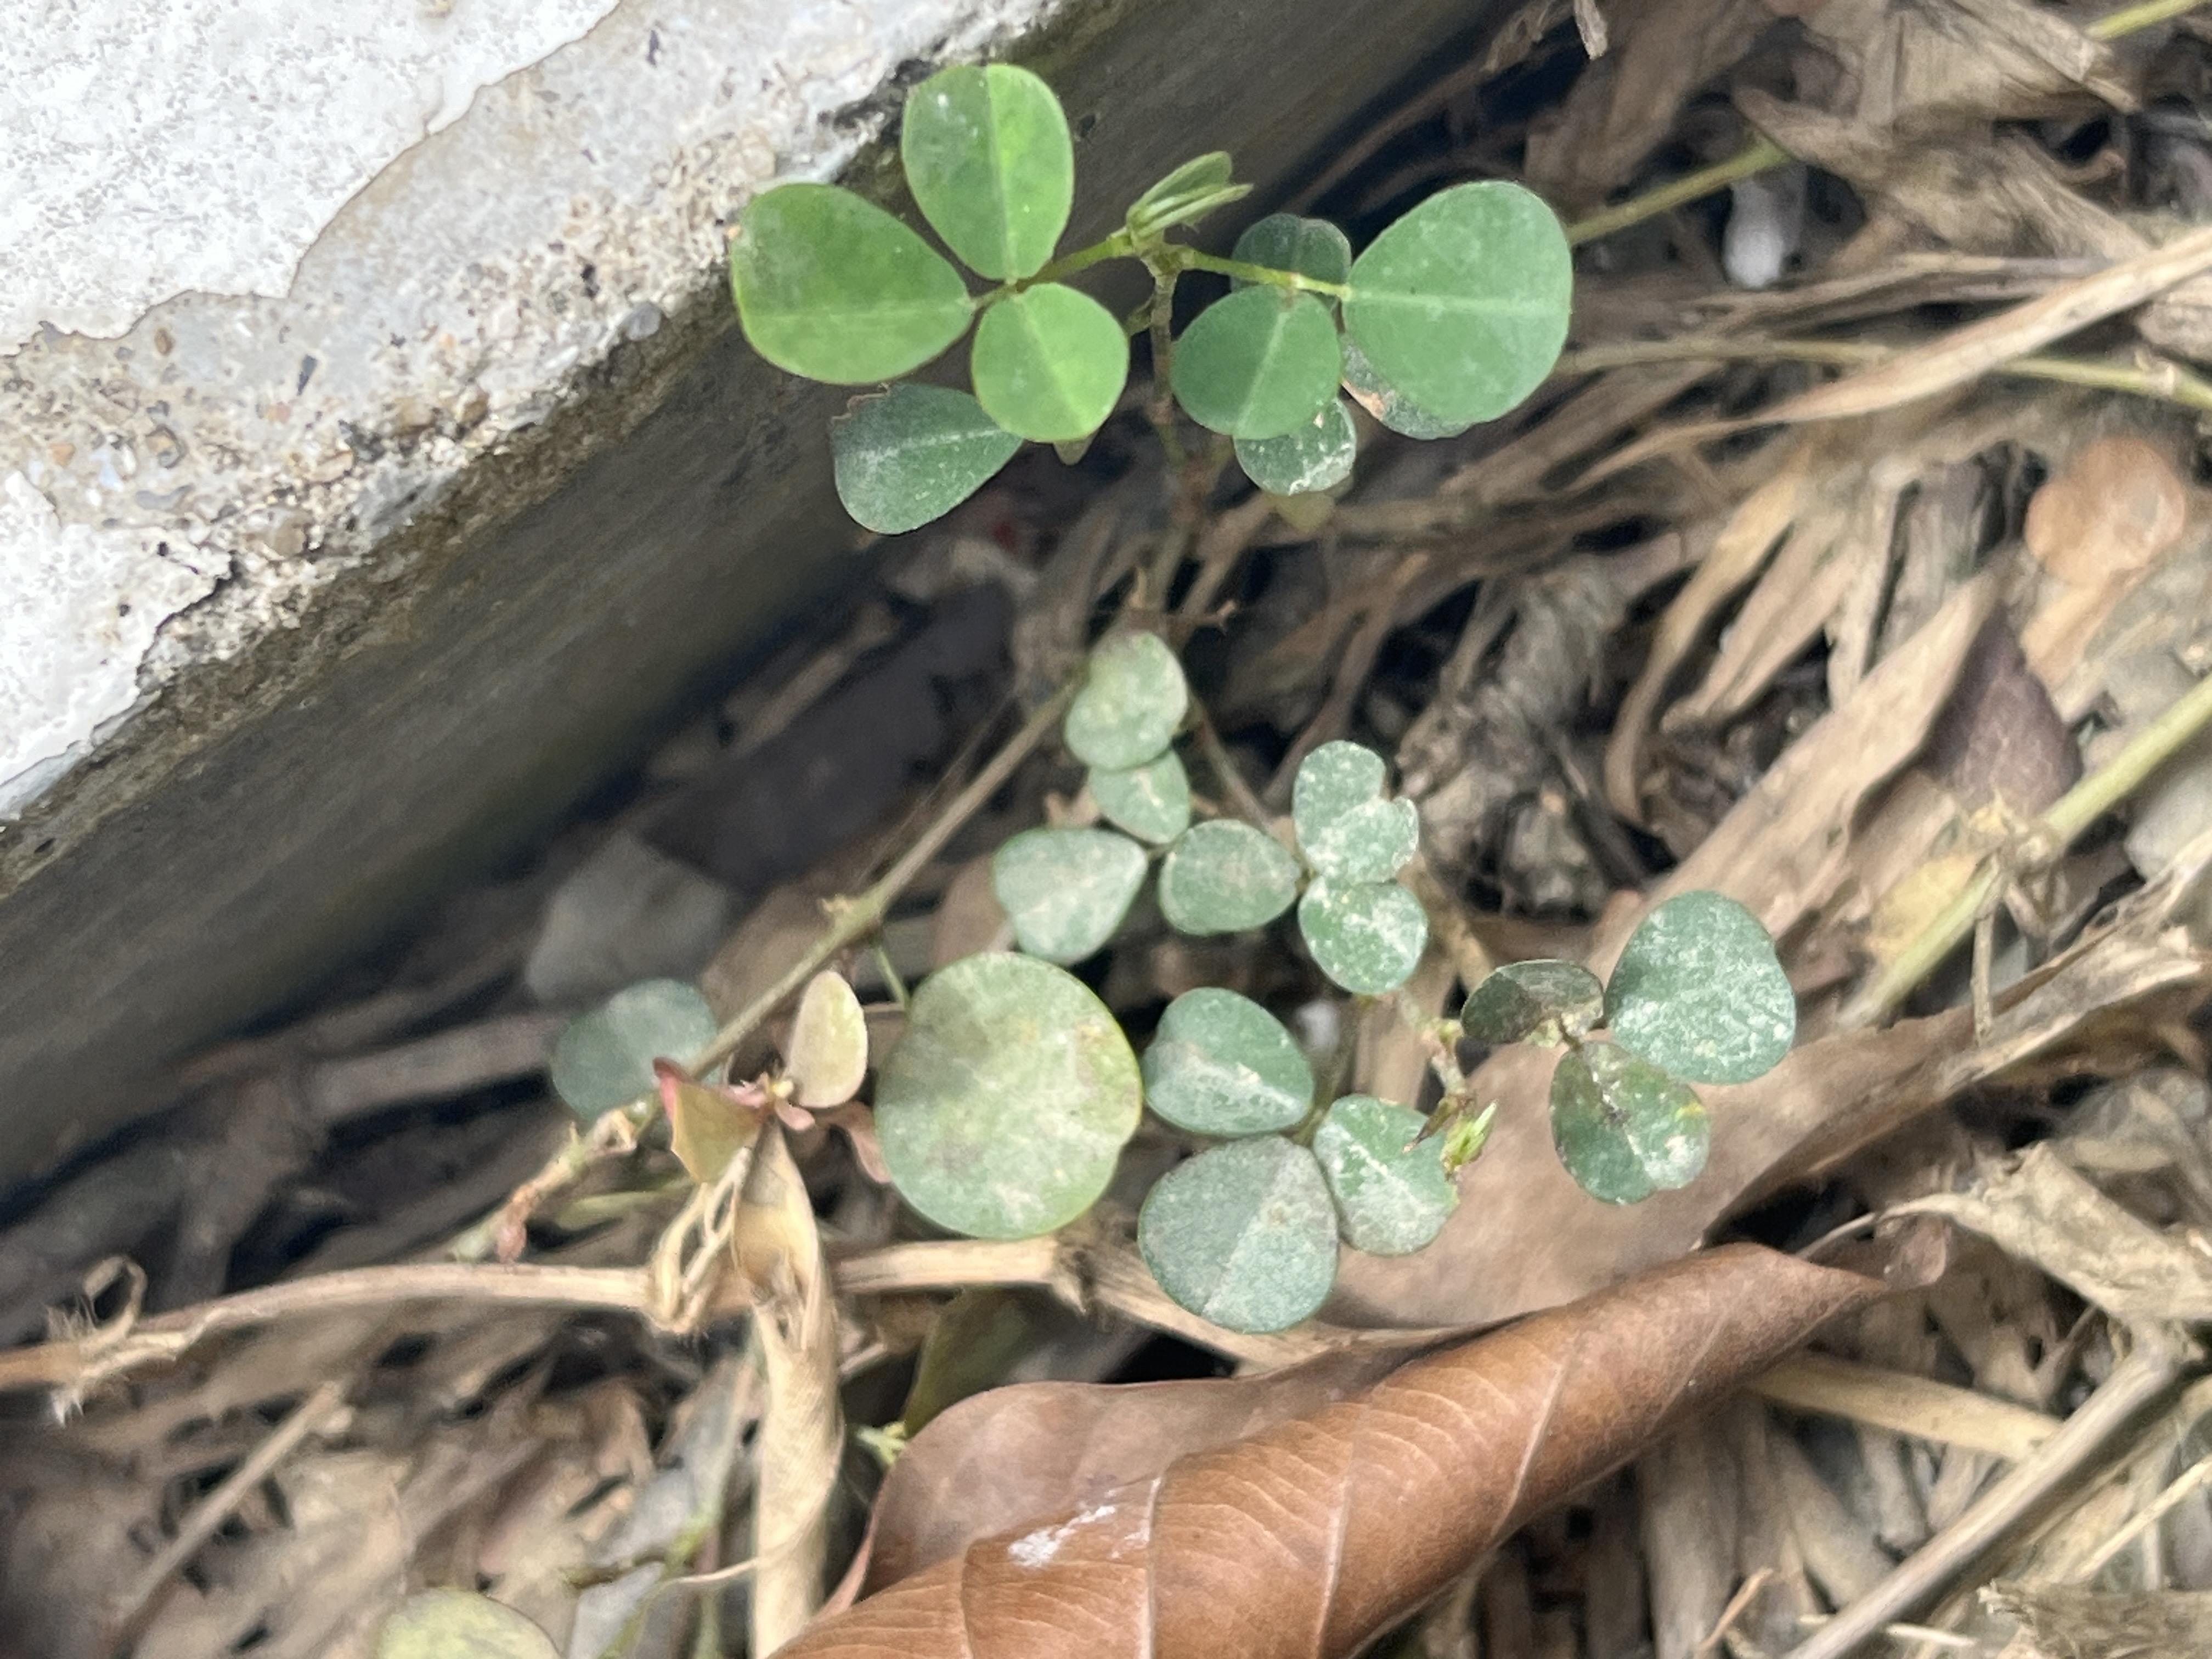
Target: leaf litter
(1861, 531)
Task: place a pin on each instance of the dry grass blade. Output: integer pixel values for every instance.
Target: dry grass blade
(1308, 1539)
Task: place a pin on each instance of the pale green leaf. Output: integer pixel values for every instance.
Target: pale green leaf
(1222, 1064)
(1067, 890)
(912, 454)
(988, 158)
(1002, 1110)
(1623, 1128)
(1317, 455)
(1152, 801)
(1542, 1001)
(1346, 829)
(1461, 305)
(1392, 1194)
(827, 1054)
(1698, 991)
(1367, 935)
(1134, 696)
(833, 288)
(1243, 1235)
(604, 1058)
(1049, 363)
(453, 1624)
(1257, 364)
(1184, 196)
(1223, 877)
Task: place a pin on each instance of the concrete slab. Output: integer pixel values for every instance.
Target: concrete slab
(378, 464)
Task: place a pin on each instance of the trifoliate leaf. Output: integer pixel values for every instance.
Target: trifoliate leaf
(1623, 1128)
(1346, 830)
(1257, 364)
(1392, 1195)
(1222, 1064)
(1152, 801)
(1367, 935)
(1222, 877)
(1543, 1002)
(604, 1058)
(1067, 890)
(1002, 1110)
(833, 288)
(1698, 992)
(1134, 696)
(1242, 1235)
(1388, 406)
(1049, 363)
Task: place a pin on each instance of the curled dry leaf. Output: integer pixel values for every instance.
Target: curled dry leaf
(2098, 526)
(1307, 1539)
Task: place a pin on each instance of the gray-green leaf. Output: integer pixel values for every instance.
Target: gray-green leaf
(1223, 877)
(1392, 407)
(1134, 696)
(1222, 1064)
(833, 288)
(1698, 992)
(1392, 1194)
(912, 454)
(1002, 1110)
(1623, 1128)
(1283, 241)
(1242, 1235)
(1152, 801)
(1318, 455)
(604, 1058)
(452, 1624)
(1365, 935)
(988, 158)
(1461, 305)
(1542, 1001)
(1257, 364)
(1347, 831)
(1067, 890)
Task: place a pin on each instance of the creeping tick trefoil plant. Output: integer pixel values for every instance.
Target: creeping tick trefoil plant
(1002, 1111)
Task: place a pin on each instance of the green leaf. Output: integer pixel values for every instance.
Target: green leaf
(1257, 364)
(1184, 196)
(1698, 991)
(1392, 407)
(1002, 1111)
(833, 288)
(827, 1054)
(991, 166)
(1543, 1002)
(1223, 877)
(1392, 1194)
(1242, 1235)
(912, 454)
(1067, 890)
(1134, 696)
(1463, 1135)
(1311, 247)
(1461, 305)
(1624, 1128)
(1346, 829)
(1049, 363)
(1222, 1064)
(604, 1058)
(1152, 801)
(1365, 935)
(451, 1624)
(1317, 455)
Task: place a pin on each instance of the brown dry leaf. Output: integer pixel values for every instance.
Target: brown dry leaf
(2060, 1621)
(998, 1458)
(2045, 1212)
(1938, 65)
(801, 1438)
(2098, 526)
(1306, 1540)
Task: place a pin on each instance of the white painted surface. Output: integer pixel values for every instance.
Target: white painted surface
(274, 272)
(159, 148)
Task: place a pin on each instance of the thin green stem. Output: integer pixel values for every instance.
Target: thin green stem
(1159, 407)
(1760, 154)
(1119, 245)
(1175, 254)
(2129, 19)
(2067, 817)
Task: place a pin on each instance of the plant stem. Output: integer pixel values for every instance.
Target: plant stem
(1159, 407)
(1180, 258)
(2126, 20)
(1760, 154)
(2065, 819)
